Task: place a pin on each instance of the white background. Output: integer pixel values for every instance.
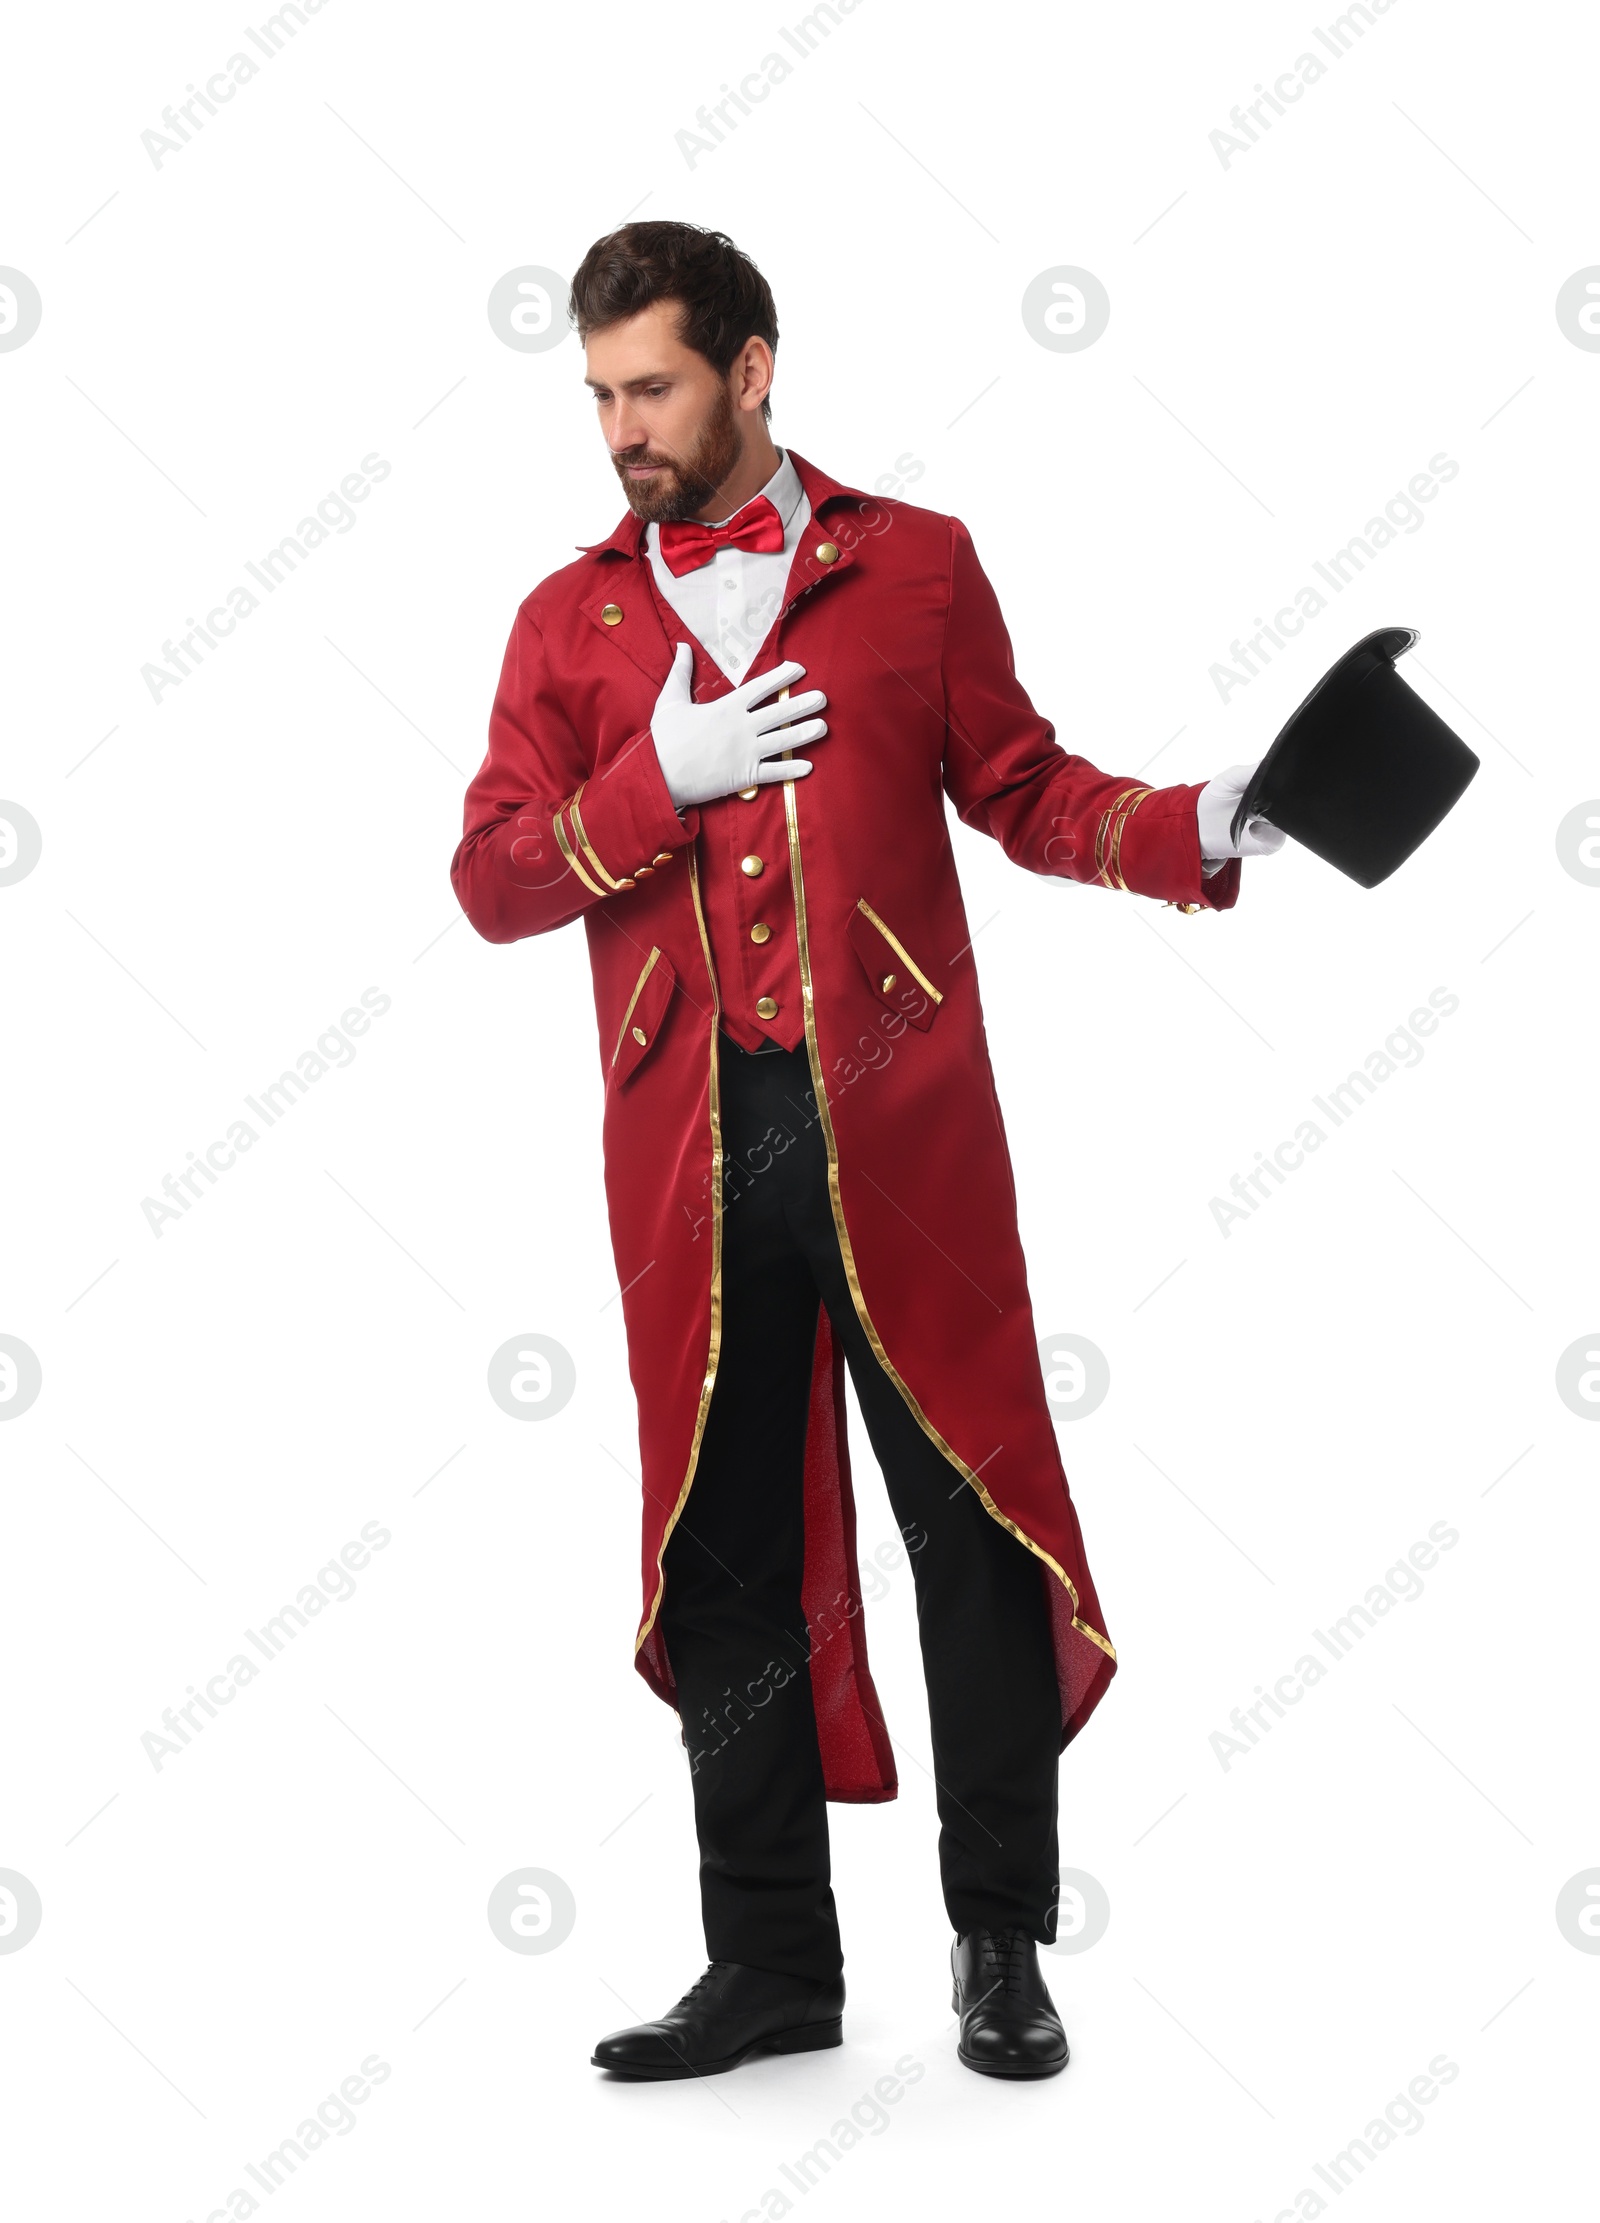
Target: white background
(1292, 337)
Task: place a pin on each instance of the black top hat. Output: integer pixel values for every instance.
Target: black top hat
(1364, 770)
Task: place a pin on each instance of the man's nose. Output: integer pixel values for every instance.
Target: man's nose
(625, 430)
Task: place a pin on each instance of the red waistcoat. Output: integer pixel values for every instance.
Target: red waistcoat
(869, 961)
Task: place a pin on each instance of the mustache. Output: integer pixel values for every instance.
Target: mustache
(625, 459)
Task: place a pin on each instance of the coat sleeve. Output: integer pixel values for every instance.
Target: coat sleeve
(546, 836)
(1054, 813)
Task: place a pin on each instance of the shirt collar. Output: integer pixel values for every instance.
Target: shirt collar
(783, 490)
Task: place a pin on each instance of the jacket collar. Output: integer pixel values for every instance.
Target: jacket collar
(628, 538)
(650, 645)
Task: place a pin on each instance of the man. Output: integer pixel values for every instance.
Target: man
(805, 1161)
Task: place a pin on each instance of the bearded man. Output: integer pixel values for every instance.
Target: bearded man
(806, 1166)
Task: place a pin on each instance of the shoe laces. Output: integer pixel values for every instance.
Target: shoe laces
(699, 1985)
(1003, 1957)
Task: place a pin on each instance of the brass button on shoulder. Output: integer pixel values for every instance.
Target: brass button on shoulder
(664, 858)
(752, 867)
(888, 981)
(761, 933)
(766, 1007)
(639, 1036)
(748, 794)
(828, 552)
(642, 872)
(611, 614)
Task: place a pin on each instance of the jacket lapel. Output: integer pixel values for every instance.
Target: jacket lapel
(622, 609)
(833, 510)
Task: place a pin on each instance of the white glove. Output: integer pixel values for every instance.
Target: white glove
(1218, 800)
(707, 749)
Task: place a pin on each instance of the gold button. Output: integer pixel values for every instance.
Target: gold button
(766, 1008)
(640, 1036)
(751, 867)
(611, 615)
(664, 858)
(827, 553)
(748, 794)
(888, 981)
(624, 883)
(761, 933)
(642, 872)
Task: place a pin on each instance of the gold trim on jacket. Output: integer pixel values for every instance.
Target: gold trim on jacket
(898, 947)
(564, 843)
(585, 844)
(638, 990)
(1108, 859)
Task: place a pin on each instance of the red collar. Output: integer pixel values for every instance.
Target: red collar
(628, 539)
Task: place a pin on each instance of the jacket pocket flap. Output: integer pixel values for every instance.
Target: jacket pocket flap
(644, 1017)
(894, 976)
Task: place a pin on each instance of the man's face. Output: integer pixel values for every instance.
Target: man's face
(667, 415)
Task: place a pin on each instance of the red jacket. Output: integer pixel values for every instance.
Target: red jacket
(869, 962)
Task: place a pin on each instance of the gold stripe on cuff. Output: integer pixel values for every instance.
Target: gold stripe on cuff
(584, 843)
(567, 851)
(1100, 872)
(1115, 859)
(899, 949)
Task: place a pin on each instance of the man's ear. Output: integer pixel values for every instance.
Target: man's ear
(753, 372)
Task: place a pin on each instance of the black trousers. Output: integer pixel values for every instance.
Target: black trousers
(732, 1606)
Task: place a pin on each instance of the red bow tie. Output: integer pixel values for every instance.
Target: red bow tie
(686, 546)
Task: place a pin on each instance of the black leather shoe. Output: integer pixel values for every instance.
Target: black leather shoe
(732, 2012)
(1009, 2025)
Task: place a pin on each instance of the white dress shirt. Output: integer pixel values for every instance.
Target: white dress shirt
(729, 604)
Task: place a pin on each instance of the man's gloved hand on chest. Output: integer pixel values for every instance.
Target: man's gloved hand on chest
(707, 749)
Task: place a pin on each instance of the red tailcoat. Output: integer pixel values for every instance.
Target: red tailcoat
(868, 961)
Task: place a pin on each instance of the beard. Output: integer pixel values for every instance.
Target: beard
(686, 482)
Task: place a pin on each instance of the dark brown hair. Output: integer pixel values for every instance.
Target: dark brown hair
(723, 298)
